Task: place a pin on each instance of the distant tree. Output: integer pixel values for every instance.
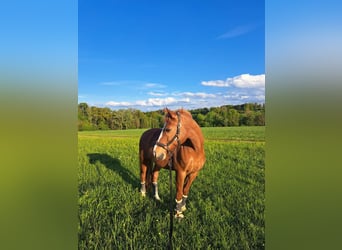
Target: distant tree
(247, 119)
(200, 119)
(83, 111)
(214, 118)
(233, 118)
(259, 119)
(102, 125)
(92, 118)
(143, 120)
(120, 119)
(156, 119)
(209, 118)
(85, 125)
(84, 117)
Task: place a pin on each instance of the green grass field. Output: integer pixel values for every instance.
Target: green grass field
(226, 204)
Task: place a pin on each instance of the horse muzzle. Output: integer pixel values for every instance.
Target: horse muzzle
(160, 157)
(158, 153)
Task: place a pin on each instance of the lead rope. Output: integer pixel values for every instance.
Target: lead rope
(171, 212)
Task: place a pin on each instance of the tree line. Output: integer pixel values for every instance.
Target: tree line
(95, 118)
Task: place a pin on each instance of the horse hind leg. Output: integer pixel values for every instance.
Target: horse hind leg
(145, 178)
(143, 170)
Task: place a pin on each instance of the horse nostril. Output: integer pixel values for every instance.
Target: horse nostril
(160, 157)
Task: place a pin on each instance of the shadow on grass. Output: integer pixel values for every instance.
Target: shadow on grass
(114, 164)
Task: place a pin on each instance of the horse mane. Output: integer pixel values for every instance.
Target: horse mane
(169, 114)
(184, 112)
(195, 142)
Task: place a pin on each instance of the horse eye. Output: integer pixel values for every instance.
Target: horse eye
(167, 130)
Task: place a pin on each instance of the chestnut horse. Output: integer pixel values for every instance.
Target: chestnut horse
(180, 140)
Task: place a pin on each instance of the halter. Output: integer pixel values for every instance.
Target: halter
(170, 164)
(175, 137)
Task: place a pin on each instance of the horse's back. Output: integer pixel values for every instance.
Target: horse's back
(149, 138)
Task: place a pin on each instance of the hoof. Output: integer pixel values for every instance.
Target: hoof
(179, 215)
(143, 194)
(157, 197)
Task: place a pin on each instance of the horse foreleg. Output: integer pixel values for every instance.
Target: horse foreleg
(155, 182)
(180, 176)
(189, 179)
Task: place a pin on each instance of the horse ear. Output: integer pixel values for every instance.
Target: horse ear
(167, 113)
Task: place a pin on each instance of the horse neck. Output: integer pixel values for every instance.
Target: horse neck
(193, 133)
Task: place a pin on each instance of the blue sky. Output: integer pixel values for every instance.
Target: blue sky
(152, 54)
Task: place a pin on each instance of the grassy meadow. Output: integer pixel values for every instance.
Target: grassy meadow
(226, 204)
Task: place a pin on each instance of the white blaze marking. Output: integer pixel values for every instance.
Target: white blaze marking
(160, 136)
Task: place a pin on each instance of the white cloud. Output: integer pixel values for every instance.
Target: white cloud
(135, 83)
(198, 94)
(157, 101)
(189, 100)
(162, 101)
(240, 81)
(150, 102)
(244, 96)
(154, 85)
(113, 83)
(239, 89)
(215, 83)
(233, 96)
(118, 104)
(248, 81)
(238, 31)
(185, 94)
(159, 93)
(260, 97)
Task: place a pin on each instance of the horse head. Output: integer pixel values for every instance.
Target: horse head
(170, 136)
